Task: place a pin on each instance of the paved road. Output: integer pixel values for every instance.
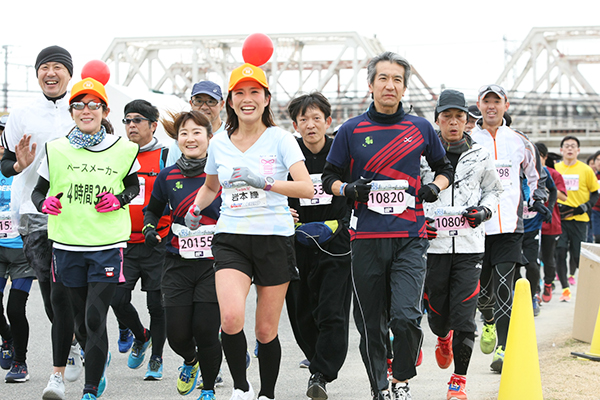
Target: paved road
(125, 384)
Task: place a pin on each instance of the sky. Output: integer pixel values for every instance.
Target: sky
(459, 45)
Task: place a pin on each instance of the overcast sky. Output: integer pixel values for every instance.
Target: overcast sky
(458, 44)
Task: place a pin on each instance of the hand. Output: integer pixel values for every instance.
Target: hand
(295, 215)
(151, 235)
(52, 205)
(542, 210)
(580, 209)
(358, 190)
(431, 230)
(108, 202)
(476, 215)
(245, 175)
(565, 211)
(193, 217)
(25, 156)
(428, 193)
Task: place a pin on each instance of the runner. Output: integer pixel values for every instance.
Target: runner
(389, 240)
(188, 281)
(253, 240)
(454, 257)
(319, 303)
(81, 174)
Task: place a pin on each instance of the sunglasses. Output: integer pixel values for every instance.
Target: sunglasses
(210, 103)
(493, 88)
(80, 105)
(136, 120)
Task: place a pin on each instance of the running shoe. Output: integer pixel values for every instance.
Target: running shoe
(536, 307)
(125, 340)
(138, 353)
(155, 369)
(420, 357)
(55, 390)
(304, 363)
(566, 295)
(487, 343)
(238, 394)
(390, 372)
(18, 373)
(547, 295)
(218, 380)
(89, 396)
(317, 387)
(400, 391)
(8, 352)
(498, 360)
(74, 366)
(207, 395)
(456, 388)
(188, 375)
(443, 351)
(103, 383)
(256, 350)
(248, 359)
(572, 280)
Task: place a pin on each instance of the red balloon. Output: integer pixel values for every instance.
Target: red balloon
(96, 69)
(257, 49)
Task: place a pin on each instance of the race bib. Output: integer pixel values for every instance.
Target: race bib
(526, 213)
(240, 195)
(504, 169)
(320, 198)
(139, 199)
(389, 197)
(571, 182)
(450, 222)
(7, 230)
(194, 244)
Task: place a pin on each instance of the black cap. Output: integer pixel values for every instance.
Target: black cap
(450, 99)
(474, 112)
(54, 54)
(142, 107)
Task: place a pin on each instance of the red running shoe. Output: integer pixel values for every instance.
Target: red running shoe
(443, 351)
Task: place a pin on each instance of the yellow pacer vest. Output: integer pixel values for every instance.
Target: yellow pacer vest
(81, 174)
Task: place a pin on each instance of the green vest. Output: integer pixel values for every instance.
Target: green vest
(81, 174)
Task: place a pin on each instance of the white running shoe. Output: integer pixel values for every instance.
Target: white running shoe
(74, 364)
(240, 395)
(55, 389)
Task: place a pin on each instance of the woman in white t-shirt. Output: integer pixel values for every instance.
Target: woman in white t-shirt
(254, 237)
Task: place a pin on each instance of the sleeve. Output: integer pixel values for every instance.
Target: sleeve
(339, 155)
(211, 166)
(39, 193)
(592, 181)
(132, 188)
(7, 165)
(427, 175)
(491, 185)
(532, 168)
(560, 183)
(436, 155)
(290, 150)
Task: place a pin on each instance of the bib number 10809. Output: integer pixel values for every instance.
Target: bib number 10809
(451, 222)
(386, 197)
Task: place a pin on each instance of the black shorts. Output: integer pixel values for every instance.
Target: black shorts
(13, 264)
(269, 260)
(186, 281)
(141, 261)
(505, 247)
(78, 268)
(38, 251)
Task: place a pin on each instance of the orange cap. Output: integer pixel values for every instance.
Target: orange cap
(89, 85)
(248, 72)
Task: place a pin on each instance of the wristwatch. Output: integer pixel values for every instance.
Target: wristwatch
(269, 182)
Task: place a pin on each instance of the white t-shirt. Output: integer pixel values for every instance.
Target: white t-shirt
(272, 155)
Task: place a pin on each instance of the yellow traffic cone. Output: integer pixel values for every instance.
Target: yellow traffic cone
(521, 368)
(594, 353)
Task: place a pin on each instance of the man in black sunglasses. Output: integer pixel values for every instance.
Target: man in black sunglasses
(29, 128)
(207, 98)
(139, 260)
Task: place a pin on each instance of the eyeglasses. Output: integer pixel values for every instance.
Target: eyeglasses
(92, 105)
(210, 103)
(493, 88)
(136, 120)
(570, 146)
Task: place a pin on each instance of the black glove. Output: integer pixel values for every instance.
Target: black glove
(542, 210)
(431, 230)
(565, 211)
(428, 193)
(150, 234)
(476, 215)
(580, 209)
(358, 190)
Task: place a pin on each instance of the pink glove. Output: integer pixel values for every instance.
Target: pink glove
(108, 202)
(193, 217)
(52, 205)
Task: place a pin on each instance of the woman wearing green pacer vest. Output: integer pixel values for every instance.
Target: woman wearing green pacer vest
(86, 181)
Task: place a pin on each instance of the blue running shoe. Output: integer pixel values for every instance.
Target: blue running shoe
(256, 349)
(8, 352)
(248, 359)
(138, 353)
(125, 340)
(18, 373)
(102, 384)
(188, 376)
(89, 396)
(207, 395)
(155, 369)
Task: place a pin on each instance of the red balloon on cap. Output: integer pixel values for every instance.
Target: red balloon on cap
(257, 49)
(96, 69)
